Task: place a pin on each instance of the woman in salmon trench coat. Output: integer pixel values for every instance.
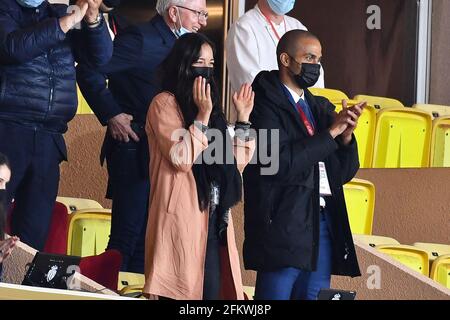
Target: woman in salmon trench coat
(195, 175)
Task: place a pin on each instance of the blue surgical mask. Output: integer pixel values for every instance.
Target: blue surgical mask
(30, 3)
(281, 7)
(182, 30)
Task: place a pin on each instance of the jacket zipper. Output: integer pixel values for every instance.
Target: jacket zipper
(2, 85)
(316, 228)
(50, 102)
(347, 252)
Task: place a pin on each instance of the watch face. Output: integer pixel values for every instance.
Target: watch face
(96, 21)
(201, 126)
(99, 18)
(204, 128)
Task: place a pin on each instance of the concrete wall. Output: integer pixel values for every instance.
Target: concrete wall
(383, 278)
(82, 176)
(412, 205)
(440, 64)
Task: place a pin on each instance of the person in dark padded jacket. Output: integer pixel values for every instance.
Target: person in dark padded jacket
(39, 44)
(297, 231)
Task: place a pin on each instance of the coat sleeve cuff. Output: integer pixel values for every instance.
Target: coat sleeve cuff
(349, 146)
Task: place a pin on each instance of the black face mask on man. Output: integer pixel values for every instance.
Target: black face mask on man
(309, 75)
(205, 72)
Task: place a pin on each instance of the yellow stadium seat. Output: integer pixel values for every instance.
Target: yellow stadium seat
(331, 94)
(436, 111)
(365, 135)
(360, 200)
(364, 132)
(434, 250)
(88, 232)
(83, 107)
(412, 257)
(379, 102)
(132, 291)
(440, 143)
(130, 279)
(374, 241)
(75, 204)
(250, 292)
(440, 271)
(80, 101)
(402, 139)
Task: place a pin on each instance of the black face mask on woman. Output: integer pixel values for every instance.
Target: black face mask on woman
(205, 72)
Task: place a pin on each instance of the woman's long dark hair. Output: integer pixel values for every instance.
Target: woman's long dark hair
(177, 78)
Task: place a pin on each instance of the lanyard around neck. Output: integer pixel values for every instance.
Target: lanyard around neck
(304, 119)
(273, 27)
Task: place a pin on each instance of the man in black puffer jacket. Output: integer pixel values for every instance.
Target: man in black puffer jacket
(39, 44)
(297, 231)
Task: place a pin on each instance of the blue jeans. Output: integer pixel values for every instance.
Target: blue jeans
(295, 284)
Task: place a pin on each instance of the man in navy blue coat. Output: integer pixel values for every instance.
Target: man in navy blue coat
(297, 231)
(122, 105)
(39, 44)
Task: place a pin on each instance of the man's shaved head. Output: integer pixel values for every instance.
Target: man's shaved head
(291, 42)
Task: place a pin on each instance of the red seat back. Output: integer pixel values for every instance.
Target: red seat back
(103, 269)
(59, 227)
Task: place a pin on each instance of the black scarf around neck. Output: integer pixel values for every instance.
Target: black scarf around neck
(225, 174)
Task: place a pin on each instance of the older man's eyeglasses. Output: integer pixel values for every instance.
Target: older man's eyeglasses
(200, 14)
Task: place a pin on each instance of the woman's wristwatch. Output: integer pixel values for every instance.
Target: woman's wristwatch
(96, 22)
(242, 130)
(201, 126)
(244, 123)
